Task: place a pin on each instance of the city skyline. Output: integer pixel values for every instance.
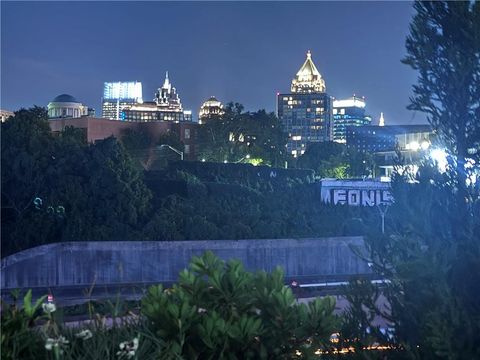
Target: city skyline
(247, 54)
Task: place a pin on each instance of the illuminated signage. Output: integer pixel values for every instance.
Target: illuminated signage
(356, 193)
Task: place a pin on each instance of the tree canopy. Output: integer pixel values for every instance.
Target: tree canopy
(430, 252)
(59, 188)
(335, 160)
(237, 136)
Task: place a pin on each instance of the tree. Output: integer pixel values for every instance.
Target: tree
(331, 159)
(431, 249)
(237, 135)
(59, 188)
(28, 153)
(444, 47)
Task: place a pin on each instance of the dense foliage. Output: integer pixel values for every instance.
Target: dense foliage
(146, 150)
(243, 136)
(430, 252)
(217, 310)
(59, 188)
(334, 160)
(62, 189)
(228, 211)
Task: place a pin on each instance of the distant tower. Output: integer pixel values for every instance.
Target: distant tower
(306, 112)
(210, 108)
(381, 122)
(167, 96)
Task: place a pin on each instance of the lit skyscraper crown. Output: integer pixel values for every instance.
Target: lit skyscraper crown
(308, 79)
(167, 96)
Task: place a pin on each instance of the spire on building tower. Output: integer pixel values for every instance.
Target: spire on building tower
(166, 83)
(381, 122)
(308, 78)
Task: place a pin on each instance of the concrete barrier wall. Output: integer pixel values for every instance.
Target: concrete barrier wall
(102, 263)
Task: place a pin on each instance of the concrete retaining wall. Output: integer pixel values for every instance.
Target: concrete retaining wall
(103, 263)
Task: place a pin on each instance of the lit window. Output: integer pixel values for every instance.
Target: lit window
(187, 133)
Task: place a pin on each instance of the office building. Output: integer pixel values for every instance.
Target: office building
(386, 142)
(210, 108)
(66, 106)
(165, 107)
(348, 112)
(119, 95)
(306, 111)
(376, 138)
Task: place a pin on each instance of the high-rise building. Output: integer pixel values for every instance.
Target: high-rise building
(210, 108)
(306, 112)
(165, 107)
(348, 112)
(119, 95)
(66, 106)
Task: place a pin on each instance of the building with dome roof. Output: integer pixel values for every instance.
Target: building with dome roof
(306, 112)
(66, 106)
(210, 108)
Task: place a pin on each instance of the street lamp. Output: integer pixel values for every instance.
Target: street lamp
(243, 158)
(173, 149)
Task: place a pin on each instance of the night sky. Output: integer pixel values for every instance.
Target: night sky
(237, 51)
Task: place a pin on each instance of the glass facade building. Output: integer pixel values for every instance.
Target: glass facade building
(348, 112)
(120, 95)
(306, 112)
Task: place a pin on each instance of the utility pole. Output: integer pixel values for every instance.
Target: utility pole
(383, 208)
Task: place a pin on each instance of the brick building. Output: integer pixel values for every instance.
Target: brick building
(99, 129)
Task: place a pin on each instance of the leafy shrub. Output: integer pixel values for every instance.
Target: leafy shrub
(219, 310)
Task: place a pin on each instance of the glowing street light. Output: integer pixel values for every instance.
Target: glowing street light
(173, 149)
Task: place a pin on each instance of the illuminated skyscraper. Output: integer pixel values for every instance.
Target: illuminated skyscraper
(165, 107)
(119, 95)
(210, 108)
(348, 112)
(306, 112)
